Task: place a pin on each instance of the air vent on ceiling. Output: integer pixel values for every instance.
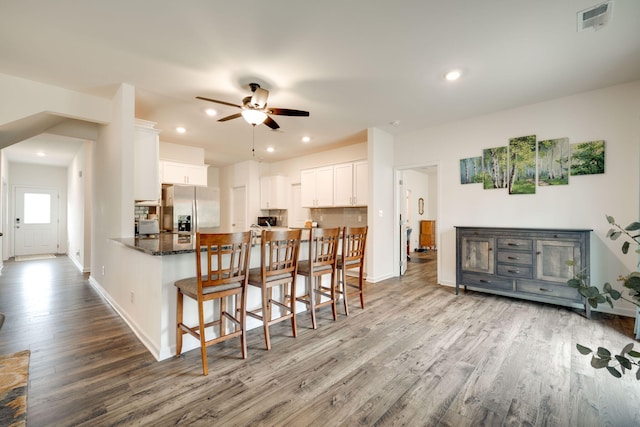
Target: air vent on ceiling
(595, 17)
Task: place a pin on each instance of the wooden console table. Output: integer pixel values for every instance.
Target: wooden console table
(528, 263)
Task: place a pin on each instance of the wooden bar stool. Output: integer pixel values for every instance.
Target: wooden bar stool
(279, 250)
(323, 252)
(225, 275)
(354, 240)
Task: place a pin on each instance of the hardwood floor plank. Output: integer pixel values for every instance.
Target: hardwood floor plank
(417, 355)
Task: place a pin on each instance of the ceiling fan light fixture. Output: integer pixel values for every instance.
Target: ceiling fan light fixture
(254, 117)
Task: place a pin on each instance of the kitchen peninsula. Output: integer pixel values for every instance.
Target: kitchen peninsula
(151, 307)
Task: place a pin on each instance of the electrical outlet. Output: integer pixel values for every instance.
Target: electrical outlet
(131, 296)
(321, 218)
(359, 218)
(103, 270)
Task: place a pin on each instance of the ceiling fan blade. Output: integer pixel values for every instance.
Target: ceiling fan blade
(231, 117)
(259, 98)
(218, 102)
(288, 112)
(271, 123)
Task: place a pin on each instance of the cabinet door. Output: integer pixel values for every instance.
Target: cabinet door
(343, 185)
(324, 186)
(173, 173)
(308, 188)
(272, 192)
(146, 164)
(361, 183)
(196, 175)
(552, 256)
(477, 254)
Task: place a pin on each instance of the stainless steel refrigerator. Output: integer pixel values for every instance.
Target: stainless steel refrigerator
(188, 208)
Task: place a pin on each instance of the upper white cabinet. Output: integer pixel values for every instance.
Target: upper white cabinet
(183, 173)
(273, 192)
(317, 187)
(146, 156)
(351, 184)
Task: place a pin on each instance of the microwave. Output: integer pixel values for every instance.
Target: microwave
(265, 221)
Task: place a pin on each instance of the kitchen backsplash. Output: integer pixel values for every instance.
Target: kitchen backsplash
(339, 217)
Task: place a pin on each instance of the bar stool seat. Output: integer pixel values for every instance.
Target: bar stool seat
(323, 251)
(279, 251)
(223, 275)
(354, 241)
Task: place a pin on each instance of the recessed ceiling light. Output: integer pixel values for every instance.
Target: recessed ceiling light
(453, 75)
(40, 153)
(270, 149)
(180, 129)
(210, 112)
(306, 139)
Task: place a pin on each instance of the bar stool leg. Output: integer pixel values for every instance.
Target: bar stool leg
(178, 322)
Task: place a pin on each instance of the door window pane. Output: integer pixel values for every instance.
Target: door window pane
(37, 208)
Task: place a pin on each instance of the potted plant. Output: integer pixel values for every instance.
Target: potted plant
(602, 357)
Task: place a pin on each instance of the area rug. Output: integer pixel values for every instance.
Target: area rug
(34, 257)
(14, 373)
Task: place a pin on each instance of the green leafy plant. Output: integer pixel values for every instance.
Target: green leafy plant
(602, 358)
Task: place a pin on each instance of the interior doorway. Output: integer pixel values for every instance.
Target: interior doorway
(239, 209)
(417, 204)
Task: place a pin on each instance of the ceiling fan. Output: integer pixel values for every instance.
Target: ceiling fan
(254, 108)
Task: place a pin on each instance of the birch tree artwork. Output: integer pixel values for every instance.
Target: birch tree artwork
(522, 165)
(553, 162)
(471, 170)
(494, 161)
(587, 158)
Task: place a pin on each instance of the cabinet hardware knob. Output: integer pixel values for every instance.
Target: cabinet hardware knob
(538, 253)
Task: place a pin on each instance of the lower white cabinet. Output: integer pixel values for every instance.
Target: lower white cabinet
(183, 173)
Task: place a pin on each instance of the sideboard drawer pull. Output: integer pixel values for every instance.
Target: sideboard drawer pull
(513, 257)
(514, 271)
(546, 290)
(485, 281)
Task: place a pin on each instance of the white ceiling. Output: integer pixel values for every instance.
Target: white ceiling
(352, 64)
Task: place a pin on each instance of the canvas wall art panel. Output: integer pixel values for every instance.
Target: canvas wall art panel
(494, 163)
(522, 165)
(587, 158)
(471, 170)
(553, 162)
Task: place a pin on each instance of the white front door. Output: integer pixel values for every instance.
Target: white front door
(239, 206)
(36, 221)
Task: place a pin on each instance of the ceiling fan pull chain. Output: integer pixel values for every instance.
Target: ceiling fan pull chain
(253, 147)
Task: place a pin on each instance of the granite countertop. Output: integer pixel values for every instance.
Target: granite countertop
(171, 243)
(161, 244)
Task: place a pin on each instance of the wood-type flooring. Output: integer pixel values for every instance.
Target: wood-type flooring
(417, 355)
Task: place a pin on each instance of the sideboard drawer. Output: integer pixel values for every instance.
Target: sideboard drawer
(515, 271)
(549, 290)
(520, 258)
(515, 244)
(490, 282)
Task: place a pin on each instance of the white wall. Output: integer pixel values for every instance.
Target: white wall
(79, 208)
(382, 256)
(50, 177)
(612, 114)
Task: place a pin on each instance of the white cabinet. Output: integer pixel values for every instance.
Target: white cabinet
(146, 157)
(273, 192)
(183, 173)
(351, 184)
(317, 187)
